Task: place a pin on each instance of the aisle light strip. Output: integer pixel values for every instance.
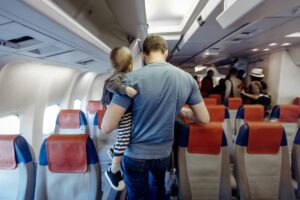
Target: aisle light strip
(272, 44)
(51, 10)
(297, 34)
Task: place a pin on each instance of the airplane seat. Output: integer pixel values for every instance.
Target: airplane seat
(216, 96)
(288, 116)
(296, 101)
(71, 122)
(203, 163)
(248, 113)
(17, 169)
(210, 101)
(68, 168)
(261, 163)
(92, 107)
(219, 113)
(104, 142)
(296, 162)
(233, 105)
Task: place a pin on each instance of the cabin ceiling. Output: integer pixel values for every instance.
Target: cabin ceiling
(212, 43)
(114, 22)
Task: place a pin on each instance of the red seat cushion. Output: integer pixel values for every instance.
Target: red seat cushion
(7, 152)
(205, 139)
(216, 113)
(210, 101)
(216, 96)
(67, 153)
(289, 113)
(69, 119)
(264, 137)
(254, 113)
(100, 117)
(234, 103)
(94, 106)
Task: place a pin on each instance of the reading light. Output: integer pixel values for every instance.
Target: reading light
(273, 44)
(285, 44)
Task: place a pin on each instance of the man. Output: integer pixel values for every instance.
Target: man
(207, 83)
(162, 91)
(232, 84)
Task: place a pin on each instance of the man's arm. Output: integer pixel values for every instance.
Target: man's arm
(112, 117)
(197, 113)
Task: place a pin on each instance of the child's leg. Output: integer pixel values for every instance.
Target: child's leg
(113, 173)
(115, 165)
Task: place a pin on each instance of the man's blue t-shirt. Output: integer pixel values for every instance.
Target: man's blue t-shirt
(162, 91)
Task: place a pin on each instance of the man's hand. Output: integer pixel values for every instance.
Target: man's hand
(131, 92)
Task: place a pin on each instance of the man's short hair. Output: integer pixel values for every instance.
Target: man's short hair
(154, 43)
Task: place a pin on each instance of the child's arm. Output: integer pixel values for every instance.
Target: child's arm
(115, 85)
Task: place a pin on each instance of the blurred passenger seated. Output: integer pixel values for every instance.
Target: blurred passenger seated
(207, 84)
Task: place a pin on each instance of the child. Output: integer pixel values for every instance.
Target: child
(121, 61)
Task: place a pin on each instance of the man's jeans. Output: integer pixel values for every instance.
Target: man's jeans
(145, 179)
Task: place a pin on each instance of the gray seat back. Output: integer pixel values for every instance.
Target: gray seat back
(17, 170)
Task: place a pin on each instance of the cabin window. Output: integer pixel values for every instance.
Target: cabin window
(10, 124)
(77, 104)
(50, 115)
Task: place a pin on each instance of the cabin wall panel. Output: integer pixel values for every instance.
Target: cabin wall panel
(97, 87)
(289, 80)
(28, 88)
(81, 89)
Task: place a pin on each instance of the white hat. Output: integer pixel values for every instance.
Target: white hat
(257, 72)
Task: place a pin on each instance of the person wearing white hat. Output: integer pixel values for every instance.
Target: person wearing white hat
(257, 72)
(256, 88)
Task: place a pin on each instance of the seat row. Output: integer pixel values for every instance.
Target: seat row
(68, 166)
(261, 166)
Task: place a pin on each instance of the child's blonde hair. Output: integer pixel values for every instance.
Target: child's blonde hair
(121, 59)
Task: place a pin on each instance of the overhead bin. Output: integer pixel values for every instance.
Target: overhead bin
(15, 37)
(4, 20)
(241, 12)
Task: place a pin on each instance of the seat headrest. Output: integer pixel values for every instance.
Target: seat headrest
(67, 153)
(251, 113)
(7, 152)
(297, 101)
(210, 101)
(286, 113)
(261, 137)
(217, 113)
(71, 119)
(93, 106)
(13, 150)
(98, 118)
(216, 96)
(206, 139)
(233, 103)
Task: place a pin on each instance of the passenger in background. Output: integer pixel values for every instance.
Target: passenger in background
(233, 84)
(257, 89)
(220, 88)
(207, 83)
(241, 74)
(164, 90)
(121, 61)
